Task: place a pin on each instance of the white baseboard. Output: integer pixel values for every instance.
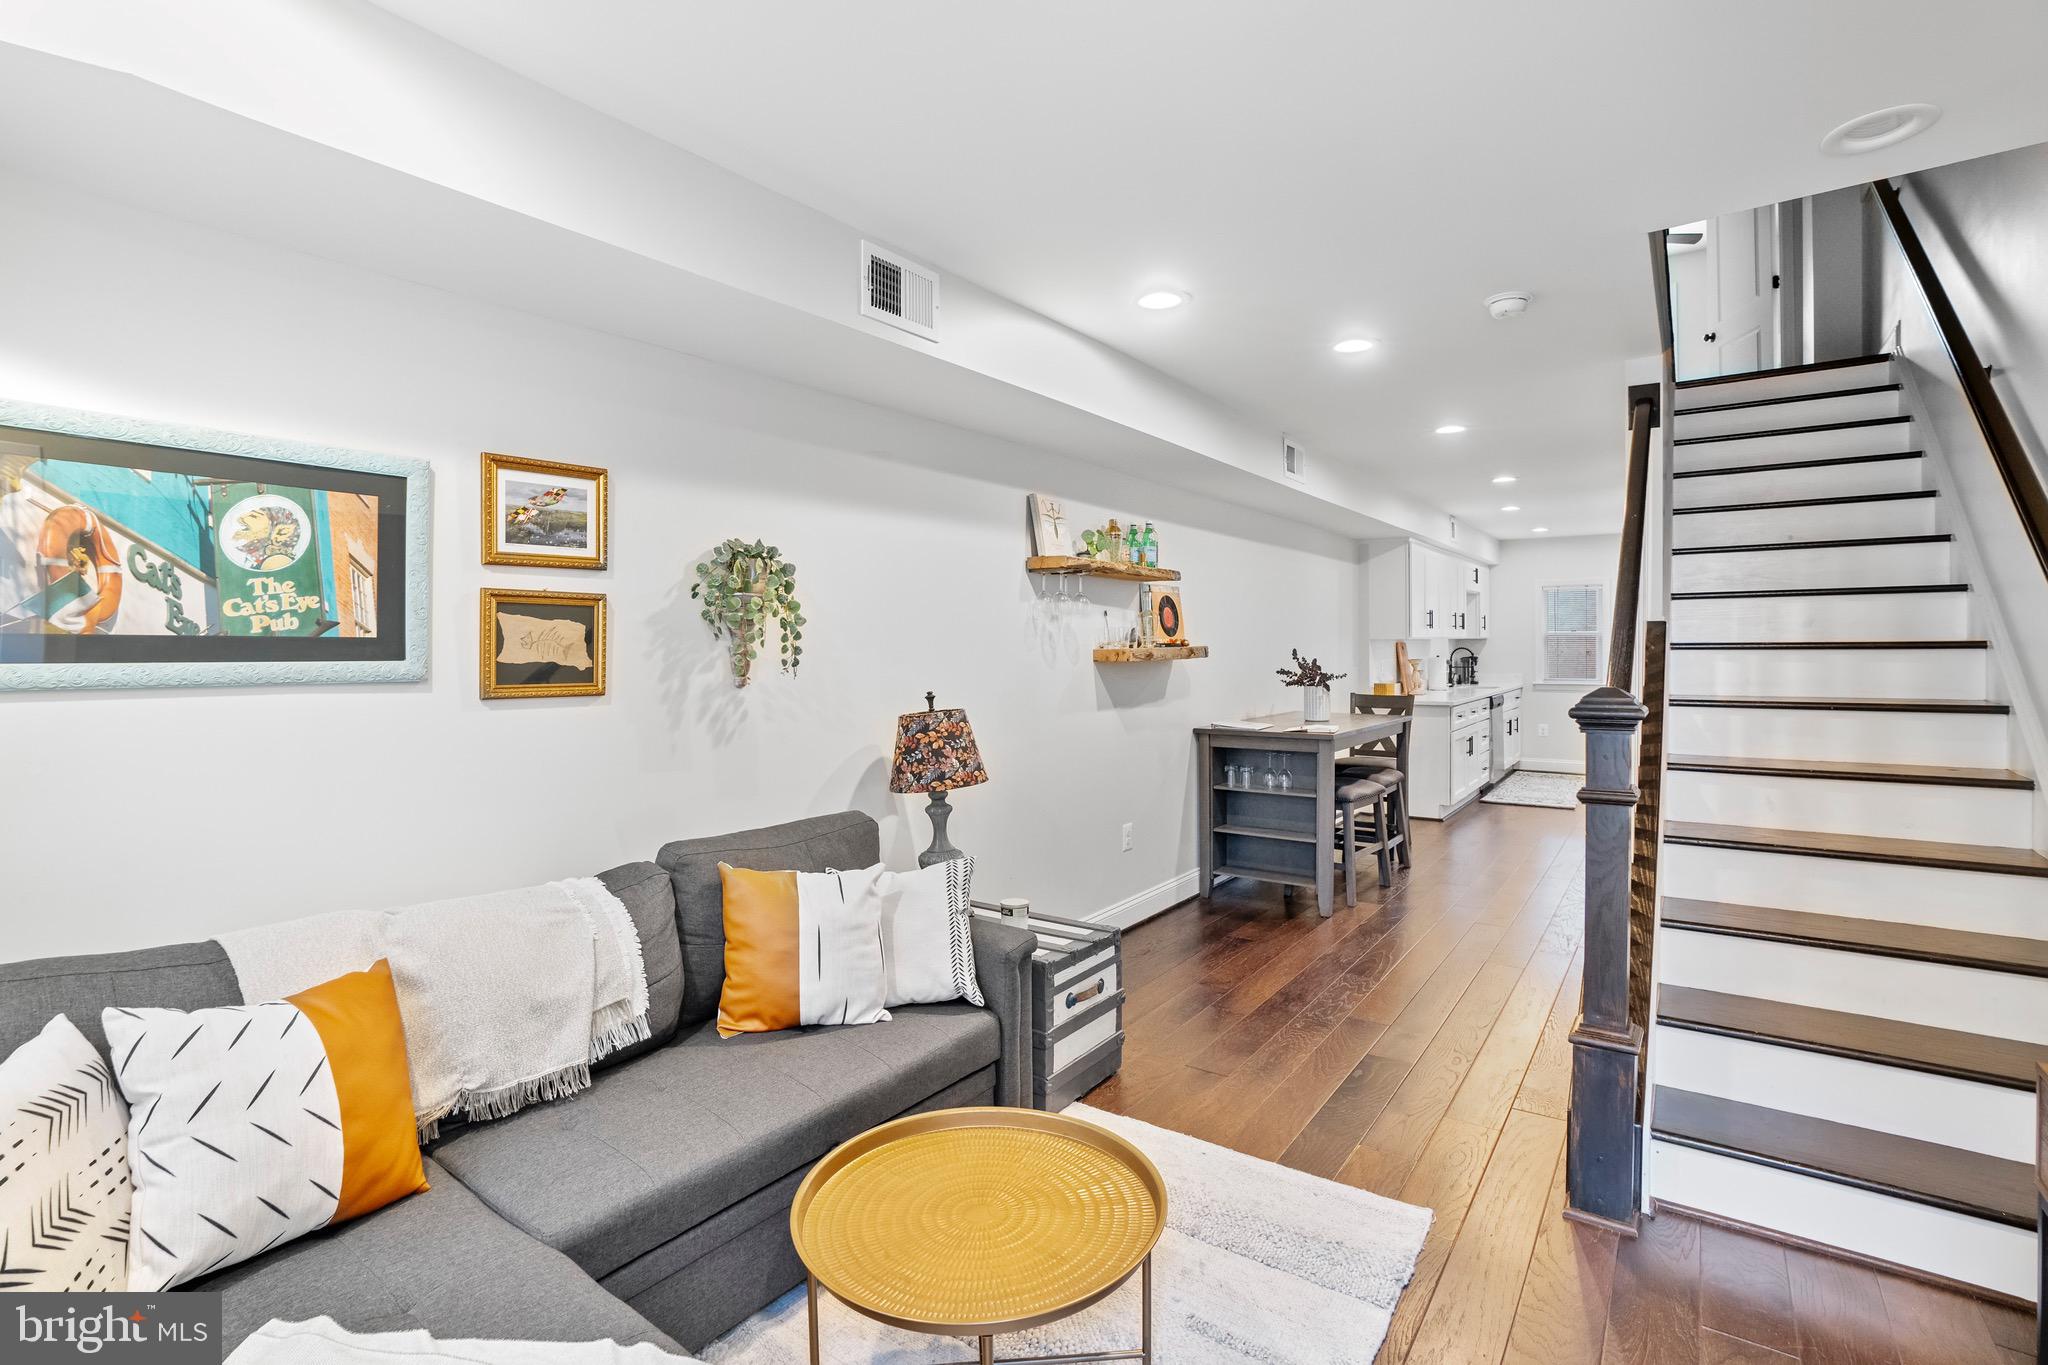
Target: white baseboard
(1553, 765)
(1149, 902)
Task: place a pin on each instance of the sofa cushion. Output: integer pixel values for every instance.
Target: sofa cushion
(440, 1261)
(823, 842)
(650, 898)
(659, 1145)
(184, 976)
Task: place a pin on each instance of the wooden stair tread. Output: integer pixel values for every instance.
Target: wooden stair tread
(1921, 773)
(2006, 1062)
(1830, 644)
(1791, 431)
(1811, 367)
(1879, 938)
(2022, 862)
(1838, 501)
(1846, 543)
(1875, 590)
(1793, 398)
(1925, 1172)
(1821, 462)
(1850, 702)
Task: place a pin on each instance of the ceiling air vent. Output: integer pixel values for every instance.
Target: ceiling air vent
(1293, 461)
(899, 291)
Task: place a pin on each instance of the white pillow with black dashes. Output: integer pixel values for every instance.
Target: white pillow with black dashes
(64, 1185)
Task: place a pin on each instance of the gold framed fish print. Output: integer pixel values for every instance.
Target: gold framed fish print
(544, 514)
(540, 644)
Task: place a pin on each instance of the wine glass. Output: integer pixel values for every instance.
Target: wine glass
(1081, 594)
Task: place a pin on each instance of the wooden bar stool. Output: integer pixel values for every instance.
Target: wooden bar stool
(1384, 760)
(1364, 825)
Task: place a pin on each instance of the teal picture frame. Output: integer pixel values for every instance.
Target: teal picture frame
(413, 616)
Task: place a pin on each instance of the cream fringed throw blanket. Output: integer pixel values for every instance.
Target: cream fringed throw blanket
(507, 998)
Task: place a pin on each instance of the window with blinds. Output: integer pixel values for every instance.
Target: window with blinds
(1571, 633)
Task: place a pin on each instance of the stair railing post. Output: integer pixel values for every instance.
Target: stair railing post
(1602, 1146)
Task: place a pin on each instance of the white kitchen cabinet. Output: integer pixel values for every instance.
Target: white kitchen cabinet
(1417, 592)
(1451, 750)
(1511, 740)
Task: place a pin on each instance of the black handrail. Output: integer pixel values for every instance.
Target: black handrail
(1642, 417)
(2022, 480)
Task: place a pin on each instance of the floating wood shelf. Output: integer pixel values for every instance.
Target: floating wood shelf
(1099, 568)
(1149, 654)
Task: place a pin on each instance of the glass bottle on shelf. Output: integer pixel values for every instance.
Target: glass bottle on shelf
(1114, 551)
(1151, 547)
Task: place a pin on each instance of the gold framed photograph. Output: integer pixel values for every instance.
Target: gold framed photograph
(540, 644)
(544, 514)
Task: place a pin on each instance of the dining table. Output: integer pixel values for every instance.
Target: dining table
(1268, 793)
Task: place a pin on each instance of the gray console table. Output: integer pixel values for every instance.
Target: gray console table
(1275, 835)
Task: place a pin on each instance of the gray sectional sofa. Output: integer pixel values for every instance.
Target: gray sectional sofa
(654, 1206)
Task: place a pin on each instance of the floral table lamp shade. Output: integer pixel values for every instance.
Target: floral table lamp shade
(936, 754)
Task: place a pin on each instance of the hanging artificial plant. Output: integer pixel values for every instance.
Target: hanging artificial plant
(742, 586)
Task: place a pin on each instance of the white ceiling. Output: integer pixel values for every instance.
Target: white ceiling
(1309, 171)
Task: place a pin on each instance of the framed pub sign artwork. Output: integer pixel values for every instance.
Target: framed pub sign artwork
(541, 644)
(147, 554)
(545, 515)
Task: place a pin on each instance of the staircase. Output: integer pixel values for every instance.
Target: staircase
(1852, 953)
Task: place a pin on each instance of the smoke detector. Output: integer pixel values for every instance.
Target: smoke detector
(1512, 304)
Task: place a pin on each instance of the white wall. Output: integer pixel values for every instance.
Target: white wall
(1550, 738)
(1985, 226)
(121, 821)
(1835, 265)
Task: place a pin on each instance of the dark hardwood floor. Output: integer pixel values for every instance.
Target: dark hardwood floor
(1416, 1046)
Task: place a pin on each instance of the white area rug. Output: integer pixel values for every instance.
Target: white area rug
(1559, 791)
(1260, 1263)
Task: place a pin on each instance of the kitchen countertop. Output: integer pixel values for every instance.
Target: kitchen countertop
(1458, 696)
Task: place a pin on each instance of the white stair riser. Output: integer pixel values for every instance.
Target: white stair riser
(1868, 616)
(1842, 566)
(2003, 817)
(1960, 739)
(1953, 1245)
(1834, 521)
(1794, 445)
(1979, 902)
(1806, 413)
(2000, 1004)
(1972, 1115)
(1892, 674)
(1808, 481)
(1786, 385)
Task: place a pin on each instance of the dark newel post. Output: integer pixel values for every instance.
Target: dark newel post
(1601, 1166)
(2041, 1206)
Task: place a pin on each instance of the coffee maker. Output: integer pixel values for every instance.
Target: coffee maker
(1464, 668)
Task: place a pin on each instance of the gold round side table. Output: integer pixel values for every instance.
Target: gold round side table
(976, 1222)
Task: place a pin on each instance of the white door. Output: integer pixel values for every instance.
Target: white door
(1723, 295)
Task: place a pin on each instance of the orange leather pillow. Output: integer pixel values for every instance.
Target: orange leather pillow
(800, 948)
(250, 1125)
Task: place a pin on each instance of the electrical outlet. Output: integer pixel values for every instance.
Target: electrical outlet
(1127, 838)
(1542, 731)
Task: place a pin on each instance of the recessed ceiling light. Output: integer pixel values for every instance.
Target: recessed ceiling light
(1449, 429)
(1511, 508)
(1353, 345)
(1538, 530)
(1503, 478)
(1160, 299)
(1882, 128)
